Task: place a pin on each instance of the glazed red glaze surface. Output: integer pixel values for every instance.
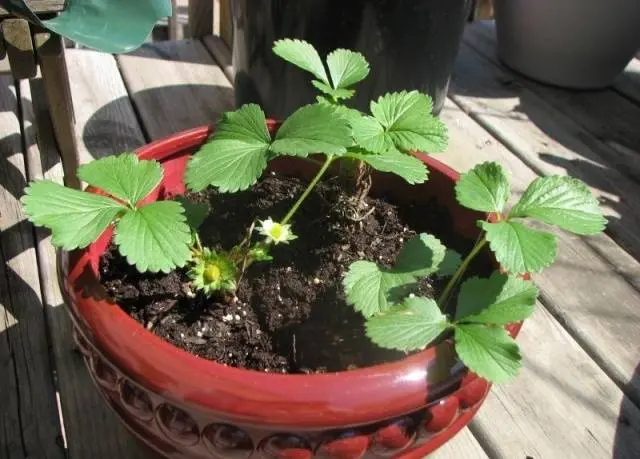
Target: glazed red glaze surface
(185, 406)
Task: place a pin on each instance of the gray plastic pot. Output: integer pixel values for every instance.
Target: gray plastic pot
(581, 44)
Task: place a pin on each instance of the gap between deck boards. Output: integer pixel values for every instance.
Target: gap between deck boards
(29, 423)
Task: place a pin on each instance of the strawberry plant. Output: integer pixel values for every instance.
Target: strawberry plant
(400, 320)
(163, 236)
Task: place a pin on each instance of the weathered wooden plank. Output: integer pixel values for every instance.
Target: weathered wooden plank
(55, 77)
(172, 21)
(92, 429)
(29, 424)
(607, 118)
(105, 120)
(463, 446)
(200, 18)
(596, 304)
(547, 140)
(216, 17)
(17, 38)
(226, 22)
(41, 6)
(222, 54)
(175, 85)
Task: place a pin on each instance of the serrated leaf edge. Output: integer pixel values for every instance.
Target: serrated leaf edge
(324, 77)
(349, 51)
(490, 205)
(481, 373)
(130, 261)
(531, 271)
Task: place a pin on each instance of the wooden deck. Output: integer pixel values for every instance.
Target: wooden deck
(579, 393)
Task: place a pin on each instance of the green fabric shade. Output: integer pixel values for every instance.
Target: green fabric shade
(112, 26)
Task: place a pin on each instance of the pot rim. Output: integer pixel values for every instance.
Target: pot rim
(324, 400)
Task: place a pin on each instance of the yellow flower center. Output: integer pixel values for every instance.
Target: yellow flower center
(276, 231)
(212, 273)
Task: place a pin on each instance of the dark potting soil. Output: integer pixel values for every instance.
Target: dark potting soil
(290, 314)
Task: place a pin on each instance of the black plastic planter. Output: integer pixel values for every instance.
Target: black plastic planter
(411, 44)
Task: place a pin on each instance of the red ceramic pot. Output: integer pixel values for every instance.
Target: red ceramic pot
(184, 406)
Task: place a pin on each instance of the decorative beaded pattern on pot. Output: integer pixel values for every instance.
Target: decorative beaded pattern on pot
(193, 435)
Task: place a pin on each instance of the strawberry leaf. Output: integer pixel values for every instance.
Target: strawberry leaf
(562, 201)
(303, 55)
(125, 176)
(372, 289)
(420, 256)
(350, 115)
(313, 129)
(346, 68)
(414, 325)
(236, 156)
(477, 293)
(409, 123)
(247, 123)
(230, 165)
(498, 300)
(75, 218)
(520, 249)
(370, 135)
(450, 264)
(406, 166)
(484, 188)
(490, 352)
(155, 237)
(337, 94)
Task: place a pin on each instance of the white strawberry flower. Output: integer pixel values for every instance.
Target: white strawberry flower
(276, 232)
